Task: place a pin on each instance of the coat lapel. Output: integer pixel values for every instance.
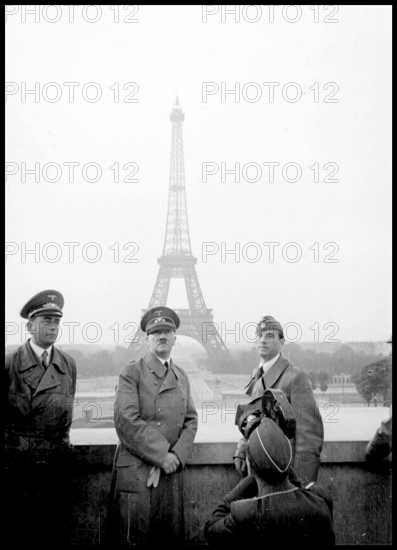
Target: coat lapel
(154, 364)
(57, 360)
(28, 358)
(251, 384)
(275, 371)
(51, 377)
(171, 380)
(157, 367)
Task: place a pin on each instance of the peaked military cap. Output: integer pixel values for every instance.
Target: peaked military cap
(159, 317)
(45, 302)
(269, 323)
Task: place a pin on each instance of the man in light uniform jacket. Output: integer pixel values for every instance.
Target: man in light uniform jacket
(277, 372)
(156, 421)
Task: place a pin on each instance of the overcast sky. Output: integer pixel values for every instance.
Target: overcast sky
(327, 124)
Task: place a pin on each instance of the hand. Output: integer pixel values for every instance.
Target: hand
(154, 477)
(170, 464)
(239, 457)
(241, 465)
(253, 422)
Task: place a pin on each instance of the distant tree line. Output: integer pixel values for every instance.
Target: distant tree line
(344, 360)
(320, 366)
(106, 362)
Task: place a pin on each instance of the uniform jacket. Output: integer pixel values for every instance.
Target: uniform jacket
(39, 404)
(151, 419)
(308, 441)
(295, 516)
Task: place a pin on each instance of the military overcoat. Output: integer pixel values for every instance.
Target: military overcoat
(39, 403)
(154, 414)
(38, 416)
(309, 438)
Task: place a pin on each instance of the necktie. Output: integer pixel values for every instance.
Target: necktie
(44, 359)
(166, 364)
(258, 385)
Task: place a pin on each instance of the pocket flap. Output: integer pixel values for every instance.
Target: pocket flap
(125, 458)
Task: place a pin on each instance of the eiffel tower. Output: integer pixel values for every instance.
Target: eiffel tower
(177, 261)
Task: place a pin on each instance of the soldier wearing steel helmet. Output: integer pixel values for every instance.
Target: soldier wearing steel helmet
(156, 421)
(40, 383)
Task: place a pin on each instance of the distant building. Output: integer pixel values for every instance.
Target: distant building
(341, 378)
(368, 348)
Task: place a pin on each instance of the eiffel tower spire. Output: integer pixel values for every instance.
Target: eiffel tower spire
(177, 238)
(177, 260)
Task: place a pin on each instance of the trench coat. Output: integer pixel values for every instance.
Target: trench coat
(151, 419)
(38, 416)
(308, 441)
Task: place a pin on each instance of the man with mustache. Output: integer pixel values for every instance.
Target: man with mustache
(156, 421)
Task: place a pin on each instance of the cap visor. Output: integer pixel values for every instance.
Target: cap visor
(159, 326)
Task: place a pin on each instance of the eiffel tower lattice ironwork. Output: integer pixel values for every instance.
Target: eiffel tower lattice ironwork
(177, 261)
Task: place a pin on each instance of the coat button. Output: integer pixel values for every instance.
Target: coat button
(155, 383)
(159, 410)
(158, 423)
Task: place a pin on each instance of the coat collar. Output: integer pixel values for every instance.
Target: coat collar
(171, 379)
(157, 366)
(30, 359)
(271, 375)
